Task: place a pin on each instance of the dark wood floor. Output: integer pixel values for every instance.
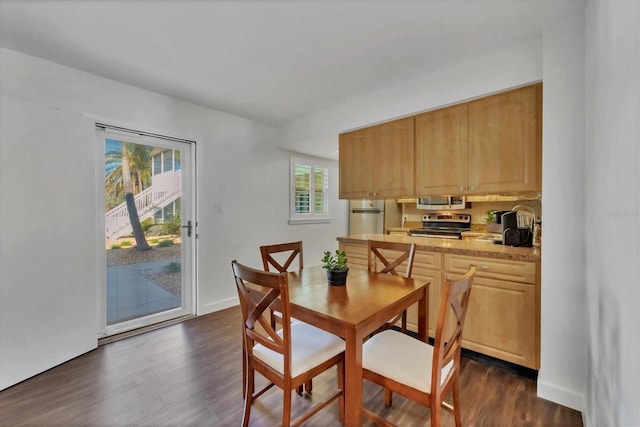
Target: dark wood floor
(190, 374)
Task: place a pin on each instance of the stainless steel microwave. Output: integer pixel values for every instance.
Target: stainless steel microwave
(441, 202)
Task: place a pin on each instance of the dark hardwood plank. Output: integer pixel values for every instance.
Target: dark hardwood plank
(189, 374)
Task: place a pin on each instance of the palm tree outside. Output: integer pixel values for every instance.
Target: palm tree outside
(128, 172)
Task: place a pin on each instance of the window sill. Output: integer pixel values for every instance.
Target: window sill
(295, 221)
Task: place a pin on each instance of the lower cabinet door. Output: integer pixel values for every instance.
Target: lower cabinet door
(434, 277)
(501, 321)
(356, 255)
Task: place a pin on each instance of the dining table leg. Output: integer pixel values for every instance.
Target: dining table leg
(353, 378)
(423, 315)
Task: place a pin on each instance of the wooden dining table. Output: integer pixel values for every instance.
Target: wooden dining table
(353, 312)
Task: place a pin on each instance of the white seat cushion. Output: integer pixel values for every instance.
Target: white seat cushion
(401, 358)
(310, 347)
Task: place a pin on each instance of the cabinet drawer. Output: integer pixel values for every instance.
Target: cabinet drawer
(427, 260)
(503, 269)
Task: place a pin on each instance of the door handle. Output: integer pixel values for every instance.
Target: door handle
(188, 227)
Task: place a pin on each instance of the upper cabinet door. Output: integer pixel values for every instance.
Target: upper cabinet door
(441, 151)
(356, 164)
(377, 162)
(505, 140)
(393, 159)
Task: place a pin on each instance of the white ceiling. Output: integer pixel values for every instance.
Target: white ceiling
(272, 61)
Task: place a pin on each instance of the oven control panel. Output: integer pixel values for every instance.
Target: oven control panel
(447, 217)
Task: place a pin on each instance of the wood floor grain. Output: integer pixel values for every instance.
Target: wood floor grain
(189, 374)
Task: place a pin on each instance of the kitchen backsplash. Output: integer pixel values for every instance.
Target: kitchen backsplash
(478, 210)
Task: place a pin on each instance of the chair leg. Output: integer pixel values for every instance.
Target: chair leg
(456, 401)
(341, 387)
(286, 407)
(248, 397)
(308, 386)
(404, 322)
(244, 370)
(388, 397)
(436, 402)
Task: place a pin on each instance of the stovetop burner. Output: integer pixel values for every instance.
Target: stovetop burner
(443, 225)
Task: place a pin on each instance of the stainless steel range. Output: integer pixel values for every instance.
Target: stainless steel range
(444, 225)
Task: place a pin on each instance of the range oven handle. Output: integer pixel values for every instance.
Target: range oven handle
(437, 236)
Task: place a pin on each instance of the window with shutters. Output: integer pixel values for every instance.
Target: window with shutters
(309, 191)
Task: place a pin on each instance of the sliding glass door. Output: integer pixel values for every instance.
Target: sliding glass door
(149, 229)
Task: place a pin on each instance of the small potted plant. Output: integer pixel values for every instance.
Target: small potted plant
(336, 266)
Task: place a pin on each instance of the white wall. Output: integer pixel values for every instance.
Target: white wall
(613, 211)
(562, 376)
(48, 279)
(48, 246)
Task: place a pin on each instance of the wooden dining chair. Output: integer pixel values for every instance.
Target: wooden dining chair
(401, 252)
(417, 370)
(290, 250)
(280, 257)
(287, 357)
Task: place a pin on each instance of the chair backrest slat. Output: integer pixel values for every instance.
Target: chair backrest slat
(258, 291)
(268, 261)
(454, 302)
(407, 252)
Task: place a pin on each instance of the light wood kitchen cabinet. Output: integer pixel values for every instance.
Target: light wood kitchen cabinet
(486, 146)
(490, 145)
(441, 151)
(357, 255)
(503, 318)
(505, 142)
(377, 162)
(356, 164)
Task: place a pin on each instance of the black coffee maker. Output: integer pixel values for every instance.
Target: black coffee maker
(512, 235)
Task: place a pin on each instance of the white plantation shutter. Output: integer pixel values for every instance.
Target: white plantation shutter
(309, 191)
(302, 188)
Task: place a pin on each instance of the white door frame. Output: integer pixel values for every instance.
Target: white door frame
(188, 212)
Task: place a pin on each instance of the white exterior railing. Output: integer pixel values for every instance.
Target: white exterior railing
(165, 188)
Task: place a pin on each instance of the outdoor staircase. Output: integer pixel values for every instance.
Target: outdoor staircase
(164, 189)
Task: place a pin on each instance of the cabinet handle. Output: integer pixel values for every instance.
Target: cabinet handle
(460, 188)
(472, 188)
(484, 267)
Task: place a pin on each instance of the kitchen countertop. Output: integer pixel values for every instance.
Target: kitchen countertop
(468, 247)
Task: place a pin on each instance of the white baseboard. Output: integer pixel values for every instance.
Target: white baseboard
(218, 305)
(561, 396)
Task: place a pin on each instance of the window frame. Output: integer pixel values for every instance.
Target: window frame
(308, 218)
